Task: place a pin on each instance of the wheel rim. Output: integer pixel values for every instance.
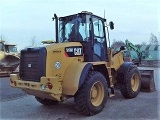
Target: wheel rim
(135, 82)
(97, 93)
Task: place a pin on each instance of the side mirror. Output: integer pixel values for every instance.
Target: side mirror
(111, 24)
(122, 48)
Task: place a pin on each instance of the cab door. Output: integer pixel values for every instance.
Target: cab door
(100, 46)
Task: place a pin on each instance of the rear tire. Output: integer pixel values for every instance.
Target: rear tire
(132, 83)
(91, 97)
(46, 101)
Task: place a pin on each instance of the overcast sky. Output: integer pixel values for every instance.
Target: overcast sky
(21, 20)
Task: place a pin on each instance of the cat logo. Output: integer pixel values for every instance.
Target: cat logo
(77, 51)
(74, 51)
(29, 65)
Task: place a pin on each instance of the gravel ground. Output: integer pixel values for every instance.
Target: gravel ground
(7, 92)
(144, 107)
(17, 105)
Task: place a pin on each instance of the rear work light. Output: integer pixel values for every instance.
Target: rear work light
(50, 86)
(11, 80)
(15, 84)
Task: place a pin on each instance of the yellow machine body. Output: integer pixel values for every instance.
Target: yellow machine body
(79, 64)
(66, 79)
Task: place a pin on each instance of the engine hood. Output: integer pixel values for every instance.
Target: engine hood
(62, 54)
(57, 46)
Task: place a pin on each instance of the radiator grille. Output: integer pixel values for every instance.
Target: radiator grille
(32, 64)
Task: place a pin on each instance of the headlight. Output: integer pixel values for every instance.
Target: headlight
(57, 65)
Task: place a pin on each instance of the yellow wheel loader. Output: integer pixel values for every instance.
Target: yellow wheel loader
(9, 57)
(79, 64)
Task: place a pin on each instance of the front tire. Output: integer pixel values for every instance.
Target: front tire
(132, 82)
(46, 101)
(91, 97)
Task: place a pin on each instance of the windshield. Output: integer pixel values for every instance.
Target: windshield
(10, 49)
(74, 28)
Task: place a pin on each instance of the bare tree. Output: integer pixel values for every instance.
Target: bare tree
(3, 38)
(117, 44)
(144, 43)
(33, 42)
(153, 40)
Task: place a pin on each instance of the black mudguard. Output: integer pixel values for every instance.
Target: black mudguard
(84, 74)
(122, 70)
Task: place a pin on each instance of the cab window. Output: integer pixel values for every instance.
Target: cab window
(98, 30)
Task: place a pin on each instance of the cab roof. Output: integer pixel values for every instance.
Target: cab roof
(85, 13)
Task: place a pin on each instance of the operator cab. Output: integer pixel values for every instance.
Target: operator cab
(9, 48)
(89, 30)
